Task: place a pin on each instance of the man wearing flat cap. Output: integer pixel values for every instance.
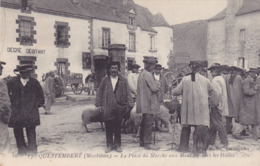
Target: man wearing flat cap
(195, 90)
(132, 80)
(249, 107)
(147, 101)
(26, 97)
(5, 112)
(219, 110)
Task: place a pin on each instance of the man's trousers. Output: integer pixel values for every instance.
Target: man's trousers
(113, 132)
(23, 148)
(217, 126)
(146, 129)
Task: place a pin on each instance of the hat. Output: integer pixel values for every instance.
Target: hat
(234, 68)
(24, 68)
(2, 63)
(224, 67)
(214, 66)
(198, 64)
(135, 66)
(252, 70)
(150, 60)
(158, 66)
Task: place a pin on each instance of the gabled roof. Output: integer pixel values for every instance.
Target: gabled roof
(248, 6)
(109, 10)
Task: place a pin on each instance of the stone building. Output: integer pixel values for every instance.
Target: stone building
(73, 36)
(234, 34)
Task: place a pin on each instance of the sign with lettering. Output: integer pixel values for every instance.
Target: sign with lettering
(27, 51)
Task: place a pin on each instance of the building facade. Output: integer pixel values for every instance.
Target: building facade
(73, 36)
(234, 35)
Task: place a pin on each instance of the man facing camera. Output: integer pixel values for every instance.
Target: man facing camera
(114, 100)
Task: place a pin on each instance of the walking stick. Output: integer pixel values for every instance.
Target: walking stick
(154, 129)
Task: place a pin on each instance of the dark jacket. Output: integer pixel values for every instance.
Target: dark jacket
(114, 103)
(25, 101)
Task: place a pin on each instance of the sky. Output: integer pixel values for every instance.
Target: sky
(180, 11)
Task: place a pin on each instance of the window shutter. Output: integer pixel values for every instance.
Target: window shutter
(100, 32)
(155, 42)
(111, 37)
(246, 63)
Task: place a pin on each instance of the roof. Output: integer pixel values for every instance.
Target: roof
(248, 6)
(109, 10)
(190, 39)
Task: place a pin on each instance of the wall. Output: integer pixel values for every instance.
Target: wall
(79, 40)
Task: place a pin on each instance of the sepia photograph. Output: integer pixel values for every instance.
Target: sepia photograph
(129, 82)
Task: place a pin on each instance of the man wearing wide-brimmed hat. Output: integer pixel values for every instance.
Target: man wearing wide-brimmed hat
(132, 80)
(220, 110)
(26, 97)
(147, 101)
(249, 107)
(5, 112)
(234, 96)
(195, 90)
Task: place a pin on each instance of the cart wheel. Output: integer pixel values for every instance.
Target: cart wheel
(77, 88)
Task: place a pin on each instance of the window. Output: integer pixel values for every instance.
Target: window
(259, 60)
(61, 35)
(131, 21)
(105, 37)
(26, 6)
(86, 60)
(131, 41)
(242, 35)
(152, 43)
(26, 30)
(241, 62)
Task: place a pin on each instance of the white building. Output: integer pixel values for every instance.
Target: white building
(73, 35)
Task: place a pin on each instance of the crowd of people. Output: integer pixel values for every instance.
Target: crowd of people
(218, 100)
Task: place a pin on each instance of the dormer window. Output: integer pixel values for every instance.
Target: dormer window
(131, 23)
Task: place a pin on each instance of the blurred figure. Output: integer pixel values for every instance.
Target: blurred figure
(26, 97)
(159, 77)
(49, 92)
(90, 81)
(249, 107)
(132, 80)
(5, 113)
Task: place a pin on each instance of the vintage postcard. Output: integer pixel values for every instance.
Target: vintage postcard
(129, 82)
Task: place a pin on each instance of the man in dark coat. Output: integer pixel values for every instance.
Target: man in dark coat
(114, 100)
(26, 97)
(159, 77)
(5, 112)
(249, 105)
(147, 101)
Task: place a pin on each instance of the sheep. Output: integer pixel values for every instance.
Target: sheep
(91, 114)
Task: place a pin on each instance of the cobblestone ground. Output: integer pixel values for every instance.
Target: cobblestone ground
(62, 132)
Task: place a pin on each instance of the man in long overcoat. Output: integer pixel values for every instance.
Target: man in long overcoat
(248, 114)
(220, 110)
(114, 100)
(26, 97)
(49, 92)
(5, 113)
(195, 90)
(147, 101)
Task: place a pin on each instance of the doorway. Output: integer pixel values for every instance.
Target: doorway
(100, 62)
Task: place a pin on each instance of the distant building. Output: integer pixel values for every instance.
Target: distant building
(189, 42)
(73, 35)
(234, 34)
